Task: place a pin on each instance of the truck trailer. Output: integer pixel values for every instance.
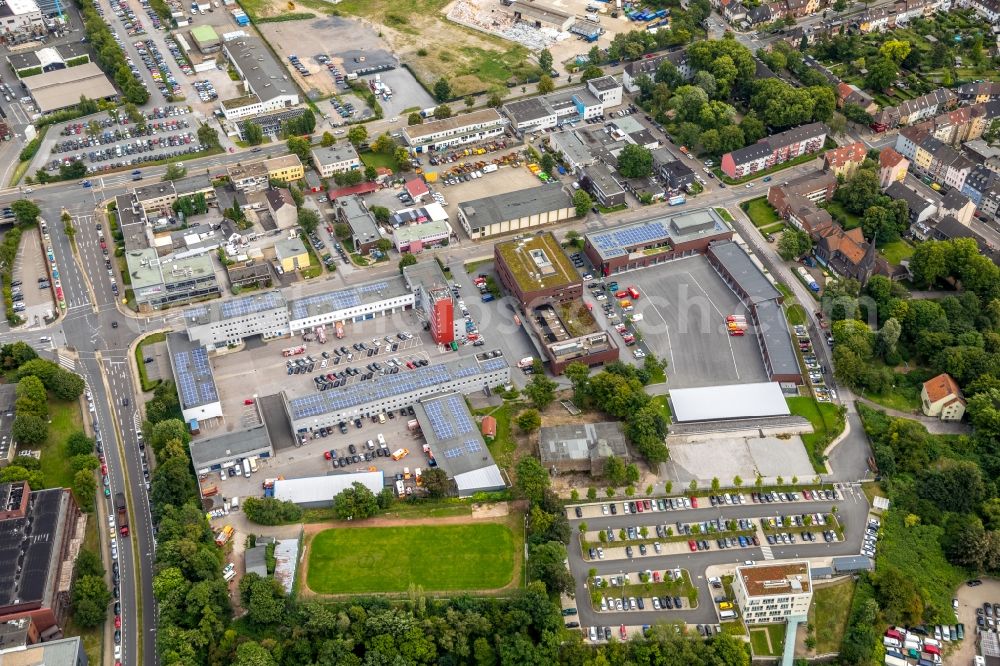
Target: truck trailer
(122, 508)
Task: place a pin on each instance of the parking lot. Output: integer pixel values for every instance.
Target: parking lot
(709, 520)
(684, 306)
(30, 285)
(743, 456)
(501, 181)
(268, 370)
(102, 143)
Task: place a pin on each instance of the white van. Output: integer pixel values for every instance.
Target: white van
(727, 615)
(234, 504)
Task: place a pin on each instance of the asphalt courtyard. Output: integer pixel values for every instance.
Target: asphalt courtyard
(684, 305)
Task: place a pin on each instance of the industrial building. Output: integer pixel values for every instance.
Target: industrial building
(230, 322)
(267, 83)
(20, 16)
(196, 389)
(763, 301)
(357, 303)
(549, 291)
(536, 270)
(769, 593)
(456, 445)
(416, 229)
(228, 449)
(570, 105)
(655, 240)
(457, 130)
(41, 533)
(516, 211)
(540, 15)
(48, 59)
(291, 254)
(728, 402)
(62, 88)
(313, 492)
(206, 39)
(582, 447)
(433, 299)
(393, 392)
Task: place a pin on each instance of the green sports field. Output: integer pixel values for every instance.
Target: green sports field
(387, 559)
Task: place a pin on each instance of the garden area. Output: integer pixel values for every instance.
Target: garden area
(760, 212)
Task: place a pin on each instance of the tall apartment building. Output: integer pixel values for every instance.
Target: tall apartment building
(772, 593)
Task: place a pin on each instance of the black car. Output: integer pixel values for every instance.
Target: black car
(677, 602)
(118, 608)
(572, 625)
(352, 448)
(118, 637)
(357, 423)
(579, 512)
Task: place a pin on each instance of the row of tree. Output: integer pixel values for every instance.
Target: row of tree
(110, 56)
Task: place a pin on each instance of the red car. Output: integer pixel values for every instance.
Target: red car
(118, 621)
(103, 245)
(104, 469)
(694, 502)
(248, 401)
(647, 505)
(638, 506)
(624, 634)
(693, 546)
(327, 455)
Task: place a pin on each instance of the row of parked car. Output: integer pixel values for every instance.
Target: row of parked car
(109, 136)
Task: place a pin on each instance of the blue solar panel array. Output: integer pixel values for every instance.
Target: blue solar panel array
(332, 301)
(616, 242)
(194, 378)
(494, 364)
(470, 446)
(449, 417)
(247, 305)
(386, 386)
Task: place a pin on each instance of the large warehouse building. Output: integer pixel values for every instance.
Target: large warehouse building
(62, 88)
(456, 445)
(455, 131)
(763, 301)
(393, 392)
(655, 240)
(222, 323)
(516, 211)
(199, 396)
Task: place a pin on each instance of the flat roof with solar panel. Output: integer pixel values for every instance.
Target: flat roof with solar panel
(355, 397)
(343, 299)
(662, 230)
(192, 372)
(452, 434)
(237, 307)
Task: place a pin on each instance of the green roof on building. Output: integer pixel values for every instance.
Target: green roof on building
(204, 34)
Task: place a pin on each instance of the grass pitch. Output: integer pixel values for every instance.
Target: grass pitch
(387, 559)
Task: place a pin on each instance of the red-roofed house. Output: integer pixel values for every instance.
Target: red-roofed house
(489, 428)
(382, 174)
(359, 189)
(942, 398)
(851, 94)
(844, 161)
(417, 189)
(892, 167)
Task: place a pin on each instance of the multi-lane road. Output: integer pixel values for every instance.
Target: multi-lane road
(87, 329)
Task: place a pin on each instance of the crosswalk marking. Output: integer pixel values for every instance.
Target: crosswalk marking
(765, 549)
(67, 363)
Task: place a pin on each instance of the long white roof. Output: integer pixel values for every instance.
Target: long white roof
(323, 488)
(733, 401)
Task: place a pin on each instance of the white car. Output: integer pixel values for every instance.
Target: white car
(748, 185)
(588, 276)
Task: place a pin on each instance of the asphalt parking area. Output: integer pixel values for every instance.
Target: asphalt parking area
(745, 457)
(29, 268)
(684, 305)
(406, 92)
